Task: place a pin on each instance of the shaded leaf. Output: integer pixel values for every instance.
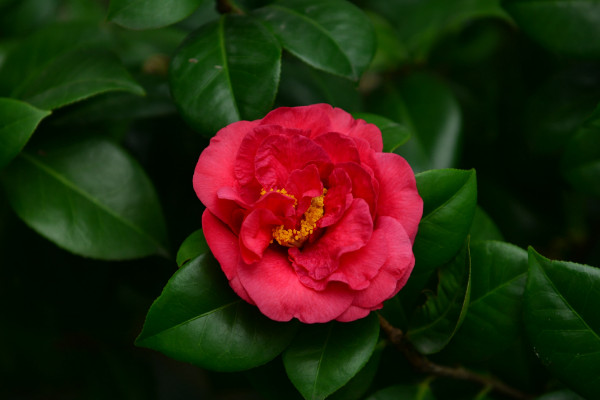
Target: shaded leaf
(18, 120)
(428, 109)
(148, 14)
(75, 76)
(578, 20)
(394, 134)
(434, 324)
(396, 392)
(581, 160)
(193, 246)
(493, 323)
(449, 203)
(483, 227)
(225, 71)
(562, 320)
(198, 319)
(89, 197)
(324, 357)
(332, 35)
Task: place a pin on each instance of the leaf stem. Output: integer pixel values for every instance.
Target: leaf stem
(228, 7)
(424, 365)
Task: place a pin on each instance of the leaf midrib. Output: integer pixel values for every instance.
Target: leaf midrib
(74, 188)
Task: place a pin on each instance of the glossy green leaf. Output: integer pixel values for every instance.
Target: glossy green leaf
(198, 319)
(18, 120)
(421, 24)
(449, 203)
(225, 71)
(75, 76)
(493, 323)
(581, 160)
(302, 84)
(360, 383)
(394, 134)
(434, 324)
(427, 108)
(324, 357)
(483, 227)
(149, 14)
(193, 246)
(332, 35)
(397, 392)
(579, 22)
(562, 320)
(32, 56)
(89, 197)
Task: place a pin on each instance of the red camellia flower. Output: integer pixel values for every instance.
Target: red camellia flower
(306, 215)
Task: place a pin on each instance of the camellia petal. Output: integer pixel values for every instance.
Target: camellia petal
(306, 216)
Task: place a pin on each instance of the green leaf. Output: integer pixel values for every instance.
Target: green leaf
(193, 246)
(427, 108)
(449, 203)
(75, 76)
(562, 320)
(149, 14)
(41, 48)
(89, 197)
(560, 395)
(421, 24)
(493, 323)
(332, 35)
(581, 160)
(394, 134)
(324, 357)
(397, 392)
(225, 71)
(579, 21)
(18, 120)
(435, 323)
(360, 383)
(483, 227)
(198, 319)
(391, 52)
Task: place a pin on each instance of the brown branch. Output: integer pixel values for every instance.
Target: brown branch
(226, 7)
(422, 364)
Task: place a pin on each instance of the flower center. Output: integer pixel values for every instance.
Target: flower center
(296, 237)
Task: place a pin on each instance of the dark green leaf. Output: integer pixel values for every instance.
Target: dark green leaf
(427, 108)
(226, 71)
(579, 23)
(562, 320)
(18, 120)
(560, 395)
(359, 384)
(581, 160)
(193, 246)
(420, 24)
(75, 76)
(332, 35)
(435, 323)
(39, 50)
(397, 392)
(498, 274)
(449, 203)
(89, 197)
(394, 134)
(198, 319)
(148, 14)
(324, 357)
(302, 84)
(483, 228)
(391, 52)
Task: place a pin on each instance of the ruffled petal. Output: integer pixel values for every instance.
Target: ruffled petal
(256, 234)
(279, 155)
(215, 167)
(274, 287)
(316, 261)
(398, 196)
(343, 122)
(338, 197)
(339, 147)
(313, 118)
(363, 186)
(353, 313)
(304, 184)
(225, 248)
